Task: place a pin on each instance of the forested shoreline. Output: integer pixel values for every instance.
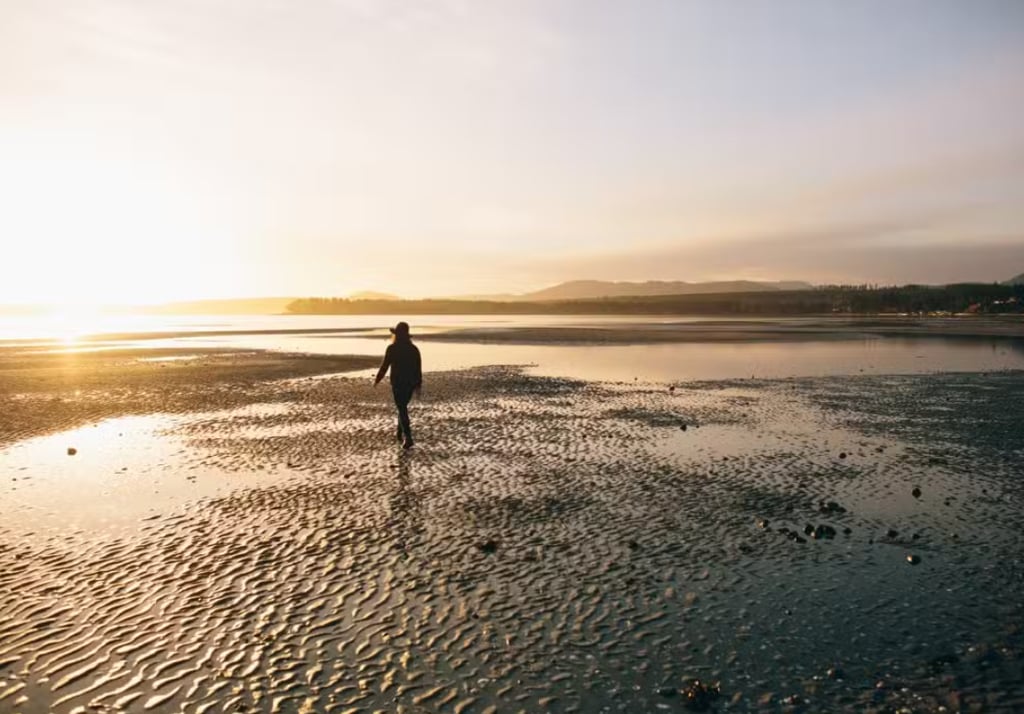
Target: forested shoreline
(981, 298)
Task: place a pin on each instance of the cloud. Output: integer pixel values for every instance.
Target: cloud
(870, 252)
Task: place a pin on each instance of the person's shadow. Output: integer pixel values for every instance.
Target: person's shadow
(405, 519)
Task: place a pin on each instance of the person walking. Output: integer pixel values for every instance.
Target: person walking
(402, 357)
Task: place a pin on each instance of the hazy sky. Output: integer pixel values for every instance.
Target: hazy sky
(154, 150)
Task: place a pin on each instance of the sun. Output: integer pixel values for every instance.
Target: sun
(70, 323)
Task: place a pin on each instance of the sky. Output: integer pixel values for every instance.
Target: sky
(156, 150)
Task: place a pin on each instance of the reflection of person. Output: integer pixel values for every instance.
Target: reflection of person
(403, 358)
(406, 523)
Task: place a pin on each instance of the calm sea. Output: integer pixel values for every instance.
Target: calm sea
(367, 334)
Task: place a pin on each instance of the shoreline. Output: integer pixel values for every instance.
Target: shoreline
(616, 330)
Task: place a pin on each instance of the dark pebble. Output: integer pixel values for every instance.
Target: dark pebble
(891, 533)
(488, 546)
(937, 664)
(72, 451)
(916, 493)
(699, 697)
(824, 532)
(842, 454)
(683, 427)
(913, 559)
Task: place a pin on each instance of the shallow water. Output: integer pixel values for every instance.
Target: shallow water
(686, 361)
(548, 546)
(122, 471)
(601, 362)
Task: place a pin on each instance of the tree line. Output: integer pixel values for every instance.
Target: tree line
(833, 299)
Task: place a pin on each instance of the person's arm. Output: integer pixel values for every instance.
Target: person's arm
(418, 364)
(383, 366)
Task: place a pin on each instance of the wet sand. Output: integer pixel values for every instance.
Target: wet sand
(43, 391)
(549, 545)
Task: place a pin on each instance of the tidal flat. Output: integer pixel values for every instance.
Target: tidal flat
(255, 540)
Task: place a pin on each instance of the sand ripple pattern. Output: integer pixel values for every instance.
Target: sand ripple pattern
(554, 546)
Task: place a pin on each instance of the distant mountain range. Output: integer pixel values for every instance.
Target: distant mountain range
(591, 289)
(372, 295)
(1019, 280)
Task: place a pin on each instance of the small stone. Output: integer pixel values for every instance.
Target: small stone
(633, 545)
(834, 673)
(916, 493)
(72, 451)
(671, 388)
(809, 529)
(824, 531)
(891, 533)
(913, 559)
(488, 546)
(847, 531)
(698, 696)
(762, 523)
(842, 454)
(682, 427)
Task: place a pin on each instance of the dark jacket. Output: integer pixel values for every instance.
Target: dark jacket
(403, 357)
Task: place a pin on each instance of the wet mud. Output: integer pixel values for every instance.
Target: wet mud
(837, 544)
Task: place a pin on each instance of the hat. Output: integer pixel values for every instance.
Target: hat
(402, 328)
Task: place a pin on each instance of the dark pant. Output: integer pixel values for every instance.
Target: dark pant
(403, 394)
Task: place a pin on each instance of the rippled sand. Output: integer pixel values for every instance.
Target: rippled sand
(44, 390)
(548, 545)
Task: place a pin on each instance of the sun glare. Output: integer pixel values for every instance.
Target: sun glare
(69, 323)
(90, 230)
